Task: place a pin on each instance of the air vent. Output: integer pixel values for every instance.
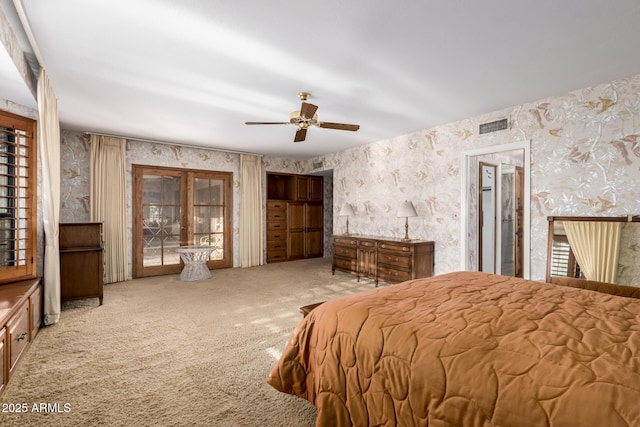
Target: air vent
(318, 165)
(494, 126)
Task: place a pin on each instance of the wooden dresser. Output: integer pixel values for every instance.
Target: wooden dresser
(382, 258)
(81, 261)
(20, 320)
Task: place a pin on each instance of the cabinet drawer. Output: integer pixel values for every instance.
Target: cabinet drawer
(395, 247)
(279, 215)
(344, 251)
(277, 255)
(394, 260)
(277, 235)
(366, 244)
(274, 245)
(277, 225)
(276, 204)
(345, 241)
(391, 275)
(345, 264)
(18, 328)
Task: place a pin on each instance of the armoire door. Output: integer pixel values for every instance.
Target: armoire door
(304, 230)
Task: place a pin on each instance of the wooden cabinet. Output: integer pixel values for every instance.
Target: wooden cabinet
(367, 258)
(295, 223)
(276, 230)
(18, 332)
(304, 230)
(20, 319)
(383, 259)
(345, 255)
(81, 261)
(309, 188)
(4, 376)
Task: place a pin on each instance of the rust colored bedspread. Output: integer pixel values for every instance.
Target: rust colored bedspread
(468, 349)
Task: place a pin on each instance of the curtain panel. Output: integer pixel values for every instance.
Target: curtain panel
(251, 239)
(596, 246)
(108, 202)
(49, 138)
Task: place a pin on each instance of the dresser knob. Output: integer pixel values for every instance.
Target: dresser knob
(22, 336)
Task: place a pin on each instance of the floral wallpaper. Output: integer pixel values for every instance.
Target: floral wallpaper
(75, 156)
(585, 160)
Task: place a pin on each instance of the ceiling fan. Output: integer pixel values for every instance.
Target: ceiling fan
(306, 117)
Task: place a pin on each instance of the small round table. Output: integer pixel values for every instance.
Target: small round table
(195, 262)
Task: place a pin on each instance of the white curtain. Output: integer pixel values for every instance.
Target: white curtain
(108, 202)
(49, 132)
(596, 246)
(250, 211)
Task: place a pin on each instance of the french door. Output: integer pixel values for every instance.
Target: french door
(177, 207)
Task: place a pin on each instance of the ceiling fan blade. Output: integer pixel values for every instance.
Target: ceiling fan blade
(308, 110)
(339, 126)
(301, 134)
(267, 123)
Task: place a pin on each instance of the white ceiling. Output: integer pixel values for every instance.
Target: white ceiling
(193, 71)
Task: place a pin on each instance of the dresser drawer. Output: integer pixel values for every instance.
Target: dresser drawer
(277, 225)
(277, 255)
(276, 204)
(344, 251)
(345, 241)
(345, 264)
(18, 329)
(367, 244)
(399, 261)
(277, 235)
(391, 275)
(279, 215)
(395, 247)
(274, 245)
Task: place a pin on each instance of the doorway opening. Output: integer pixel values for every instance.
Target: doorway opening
(176, 207)
(496, 240)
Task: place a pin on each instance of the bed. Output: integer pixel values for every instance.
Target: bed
(468, 349)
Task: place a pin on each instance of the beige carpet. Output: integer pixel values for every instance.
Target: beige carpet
(161, 352)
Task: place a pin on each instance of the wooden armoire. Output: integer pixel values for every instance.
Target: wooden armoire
(295, 225)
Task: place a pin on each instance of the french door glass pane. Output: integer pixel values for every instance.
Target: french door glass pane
(208, 215)
(161, 220)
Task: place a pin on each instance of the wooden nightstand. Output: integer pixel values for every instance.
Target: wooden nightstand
(307, 308)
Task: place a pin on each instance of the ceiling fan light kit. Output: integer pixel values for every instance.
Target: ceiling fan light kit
(306, 117)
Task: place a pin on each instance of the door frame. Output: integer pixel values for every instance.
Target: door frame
(186, 216)
(466, 159)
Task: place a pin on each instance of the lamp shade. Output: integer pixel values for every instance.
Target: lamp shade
(347, 210)
(406, 210)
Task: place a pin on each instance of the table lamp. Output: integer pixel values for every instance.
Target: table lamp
(347, 210)
(406, 210)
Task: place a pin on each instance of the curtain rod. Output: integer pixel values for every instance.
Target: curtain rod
(627, 218)
(153, 141)
(27, 30)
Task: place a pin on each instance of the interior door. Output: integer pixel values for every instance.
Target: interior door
(178, 207)
(487, 218)
(159, 224)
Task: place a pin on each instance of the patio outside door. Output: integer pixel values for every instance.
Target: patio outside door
(177, 207)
